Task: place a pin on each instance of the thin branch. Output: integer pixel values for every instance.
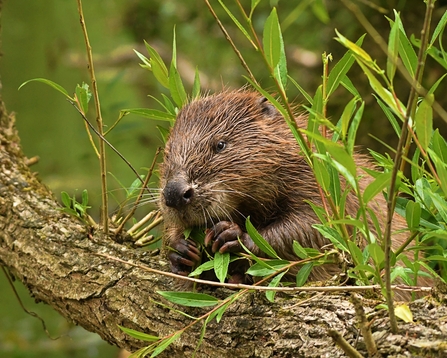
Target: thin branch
(99, 123)
(140, 195)
(268, 288)
(416, 88)
(227, 36)
(107, 142)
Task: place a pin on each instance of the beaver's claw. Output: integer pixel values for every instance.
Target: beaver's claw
(183, 256)
(224, 236)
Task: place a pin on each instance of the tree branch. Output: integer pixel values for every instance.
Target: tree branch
(56, 257)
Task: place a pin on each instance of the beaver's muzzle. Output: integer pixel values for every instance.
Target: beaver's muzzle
(178, 193)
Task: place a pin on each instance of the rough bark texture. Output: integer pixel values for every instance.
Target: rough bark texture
(55, 257)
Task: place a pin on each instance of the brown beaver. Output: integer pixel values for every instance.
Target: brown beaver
(232, 155)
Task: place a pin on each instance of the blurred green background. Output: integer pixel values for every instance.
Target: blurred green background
(44, 39)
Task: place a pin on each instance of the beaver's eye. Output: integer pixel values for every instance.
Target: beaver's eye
(220, 146)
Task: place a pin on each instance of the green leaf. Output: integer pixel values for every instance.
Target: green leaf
(189, 299)
(66, 199)
(267, 267)
(146, 63)
(176, 87)
(435, 86)
(332, 235)
(196, 85)
(335, 187)
(393, 47)
(376, 253)
(346, 116)
(83, 95)
(221, 262)
(356, 253)
(441, 170)
(165, 344)
(259, 241)
(237, 23)
(315, 113)
(352, 133)
(341, 156)
(270, 295)
(273, 44)
(364, 269)
(158, 66)
(439, 146)
(424, 121)
(389, 115)
(302, 91)
(280, 71)
(413, 214)
(84, 198)
(169, 105)
(299, 250)
(222, 309)
(150, 113)
(346, 83)
(135, 186)
(164, 132)
(271, 39)
(303, 274)
(340, 69)
(439, 28)
(407, 53)
(353, 47)
(321, 173)
(206, 266)
(139, 335)
(383, 93)
(49, 83)
(376, 186)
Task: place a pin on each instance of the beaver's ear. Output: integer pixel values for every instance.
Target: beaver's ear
(267, 108)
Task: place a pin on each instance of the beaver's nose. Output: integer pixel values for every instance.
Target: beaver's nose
(178, 193)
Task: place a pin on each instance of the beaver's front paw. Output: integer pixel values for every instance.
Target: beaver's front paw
(224, 236)
(183, 255)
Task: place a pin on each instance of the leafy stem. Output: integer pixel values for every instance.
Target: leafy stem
(99, 123)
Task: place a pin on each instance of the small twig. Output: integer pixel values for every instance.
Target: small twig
(416, 88)
(266, 288)
(350, 351)
(31, 161)
(365, 326)
(148, 228)
(106, 141)
(228, 37)
(392, 193)
(31, 313)
(140, 195)
(143, 221)
(99, 123)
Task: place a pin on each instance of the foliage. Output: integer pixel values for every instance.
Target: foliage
(424, 205)
(328, 149)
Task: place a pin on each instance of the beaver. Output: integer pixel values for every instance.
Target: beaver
(230, 156)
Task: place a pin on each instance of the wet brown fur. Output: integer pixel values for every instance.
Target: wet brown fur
(260, 174)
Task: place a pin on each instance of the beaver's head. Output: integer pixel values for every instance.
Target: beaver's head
(228, 156)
